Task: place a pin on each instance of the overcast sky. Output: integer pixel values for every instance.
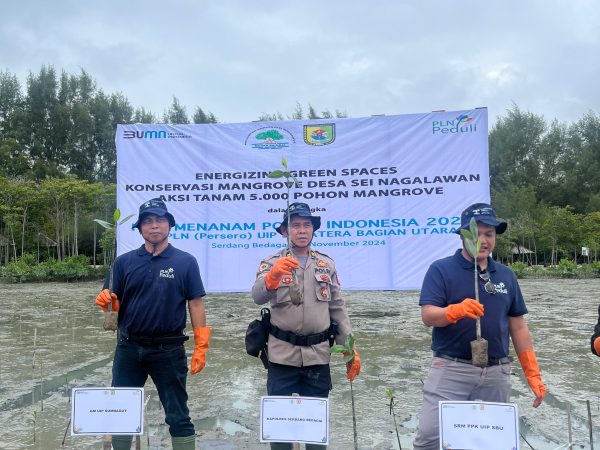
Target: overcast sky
(241, 58)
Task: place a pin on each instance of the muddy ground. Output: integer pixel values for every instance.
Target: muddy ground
(72, 350)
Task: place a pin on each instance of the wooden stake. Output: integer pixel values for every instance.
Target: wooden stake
(42, 384)
(296, 445)
(589, 408)
(65, 435)
(569, 424)
(34, 343)
(353, 417)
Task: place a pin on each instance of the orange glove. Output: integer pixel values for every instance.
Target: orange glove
(467, 308)
(533, 375)
(104, 298)
(282, 267)
(597, 345)
(352, 367)
(201, 337)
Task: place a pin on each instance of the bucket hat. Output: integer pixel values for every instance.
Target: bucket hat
(302, 210)
(154, 206)
(482, 213)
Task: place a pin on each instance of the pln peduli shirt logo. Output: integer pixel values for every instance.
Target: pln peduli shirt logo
(167, 273)
(270, 138)
(319, 134)
(461, 124)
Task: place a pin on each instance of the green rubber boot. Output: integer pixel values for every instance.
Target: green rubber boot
(121, 442)
(184, 442)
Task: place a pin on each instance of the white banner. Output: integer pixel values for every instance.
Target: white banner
(389, 189)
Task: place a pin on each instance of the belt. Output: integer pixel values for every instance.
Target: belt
(152, 341)
(299, 339)
(491, 361)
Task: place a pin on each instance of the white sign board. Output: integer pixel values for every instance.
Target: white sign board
(107, 411)
(388, 189)
(294, 419)
(476, 425)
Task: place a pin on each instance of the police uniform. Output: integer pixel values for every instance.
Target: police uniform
(154, 291)
(321, 304)
(451, 375)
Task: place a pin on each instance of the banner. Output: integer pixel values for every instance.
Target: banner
(389, 190)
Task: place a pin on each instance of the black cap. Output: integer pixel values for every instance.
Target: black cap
(302, 210)
(154, 206)
(482, 213)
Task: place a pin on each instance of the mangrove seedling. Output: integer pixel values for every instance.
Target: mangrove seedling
(110, 317)
(295, 292)
(479, 347)
(390, 395)
(347, 350)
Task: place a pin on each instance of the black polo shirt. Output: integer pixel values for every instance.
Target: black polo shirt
(449, 281)
(153, 290)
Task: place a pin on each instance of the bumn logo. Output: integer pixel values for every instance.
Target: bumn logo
(149, 134)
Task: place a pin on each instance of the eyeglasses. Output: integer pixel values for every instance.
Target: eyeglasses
(489, 287)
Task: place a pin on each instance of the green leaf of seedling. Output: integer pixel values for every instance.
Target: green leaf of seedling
(276, 174)
(126, 219)
(473, 227)
(471, 248)
(286, 174)
(284, 162)
(337, 348)
(104, 224)
(390, 393)
(116, 215)
(349, 357)
(466, 234)
(350, 343)
(478, 245)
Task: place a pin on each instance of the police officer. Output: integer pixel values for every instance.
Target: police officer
(303, 305)
(447, 304)
(151, 287)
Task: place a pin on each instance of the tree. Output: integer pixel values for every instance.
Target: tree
(176, 113)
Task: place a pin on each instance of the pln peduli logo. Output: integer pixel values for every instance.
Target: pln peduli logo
(319, 134)
(463, 123)
(270, 138)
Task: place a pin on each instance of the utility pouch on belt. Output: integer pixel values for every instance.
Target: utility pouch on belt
(257, 336)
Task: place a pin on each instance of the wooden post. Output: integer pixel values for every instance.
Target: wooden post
(589, 408)
(295, 445)
(569, 423)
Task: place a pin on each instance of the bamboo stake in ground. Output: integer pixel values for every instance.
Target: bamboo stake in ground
(479, 347)
(589, 409)
(569, 424)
